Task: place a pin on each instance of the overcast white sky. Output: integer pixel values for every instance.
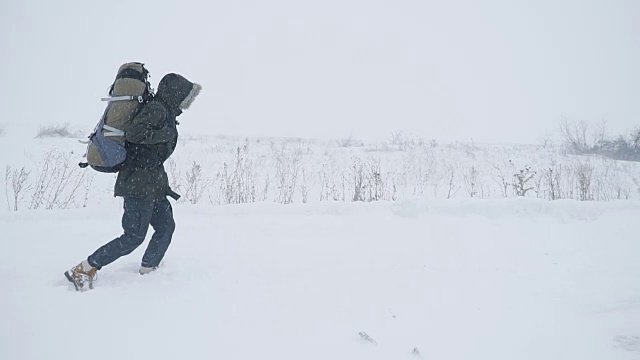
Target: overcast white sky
(493, 70)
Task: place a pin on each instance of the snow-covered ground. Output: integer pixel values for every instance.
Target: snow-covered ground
(457, 267)
(452, 279)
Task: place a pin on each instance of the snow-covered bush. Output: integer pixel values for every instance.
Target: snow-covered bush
(56, 182)
(56, 130)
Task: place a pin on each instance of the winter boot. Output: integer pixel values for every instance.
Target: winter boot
(82, 276)
(145, 270)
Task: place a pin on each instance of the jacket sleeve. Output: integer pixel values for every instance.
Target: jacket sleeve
(149, 126)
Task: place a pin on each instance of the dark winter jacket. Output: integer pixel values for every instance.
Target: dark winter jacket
(152, 138)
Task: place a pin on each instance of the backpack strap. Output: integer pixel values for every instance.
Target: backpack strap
(110, 131)
(140, 99)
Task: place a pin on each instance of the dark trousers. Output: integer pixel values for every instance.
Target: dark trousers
(139, 213)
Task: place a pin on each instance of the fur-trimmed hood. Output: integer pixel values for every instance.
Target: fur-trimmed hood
(177, 93)
(191, 97)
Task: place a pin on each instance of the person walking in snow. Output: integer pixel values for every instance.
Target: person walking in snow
(143, 183)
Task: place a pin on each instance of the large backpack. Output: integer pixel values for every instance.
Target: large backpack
(106, 150)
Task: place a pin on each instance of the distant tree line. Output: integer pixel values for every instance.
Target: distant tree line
(579, 140)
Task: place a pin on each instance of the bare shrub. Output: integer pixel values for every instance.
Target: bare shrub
(56, 130)
(502, 179)
(57, 183)
(326, 188)
(304, 187)
(471, 182)
(357, 176)
(521, 181)
(398, 140)
(599, 136)
(341, 189)
(333, 184)
(583, 172)
(421, 178)
(537, 184)
(7, 175)
(389, 186)
(452, 185)
(423, 171)
(435, 183)
(375, 185)
(19, 186)
(174, 176)
(636, 181)
(237, 182)
(67, 197)
(553, 181)
(265, 188)
(368, 184)
(349, 141)
(195, 186)
(605, 184)
(575, 135)
(87, 188)
(226, 187)
(287, 168)
(546, 141)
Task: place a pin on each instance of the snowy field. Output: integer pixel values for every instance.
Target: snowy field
(456, 279)
(440, 259)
